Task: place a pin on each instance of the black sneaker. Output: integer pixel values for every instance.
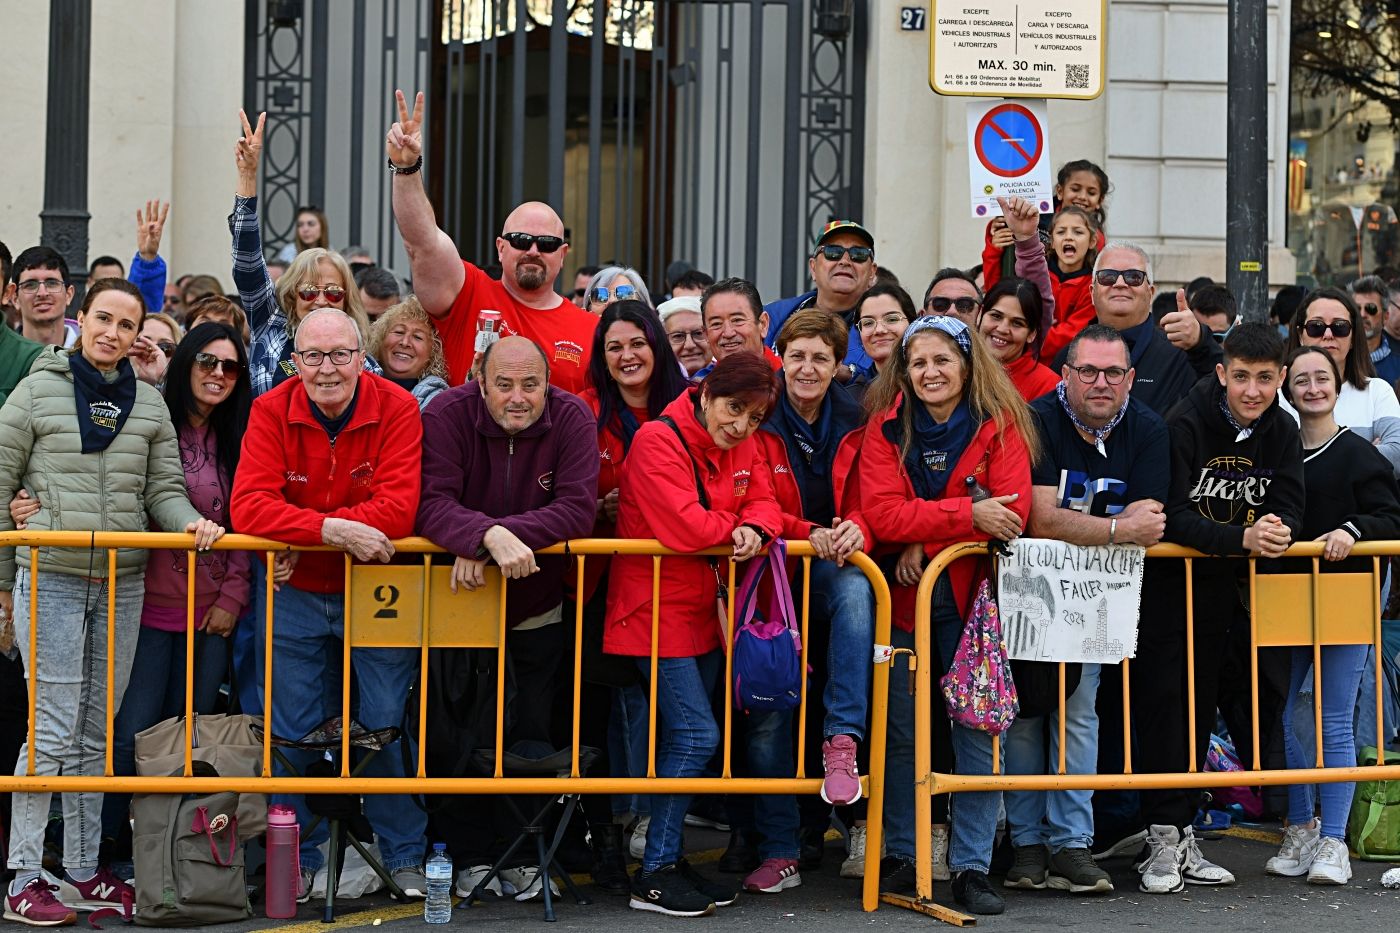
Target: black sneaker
(973, 892)
(1029, 868)
(722, 894)
(811, 845)
(667, 891)
(1073, 870)
(707, 812)
(898, 876)
(740, 856)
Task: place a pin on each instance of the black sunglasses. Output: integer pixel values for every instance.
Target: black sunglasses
(941, 304)
(859, 254)
(1316, 329)
(1131, 277)
(523, 242)
(208, 362)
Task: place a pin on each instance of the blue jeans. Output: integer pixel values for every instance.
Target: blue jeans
(973, 815)
(307, 633)
(686, 737)
(843, 596)
(627, 745)
(1342, 666)
(157, 694)
(1061, 819)
(768, 752)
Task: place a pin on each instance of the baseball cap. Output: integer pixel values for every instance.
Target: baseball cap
(843, 226)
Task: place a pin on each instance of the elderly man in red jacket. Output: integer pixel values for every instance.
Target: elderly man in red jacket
(332, 457)
(510, 465)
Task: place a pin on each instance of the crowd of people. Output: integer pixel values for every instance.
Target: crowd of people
(323, 404)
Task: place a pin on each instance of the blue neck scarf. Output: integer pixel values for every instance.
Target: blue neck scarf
(936, 448)
(812, 442)
(103, 406)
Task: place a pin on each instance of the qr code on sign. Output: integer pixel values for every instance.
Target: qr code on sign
(1077, 76)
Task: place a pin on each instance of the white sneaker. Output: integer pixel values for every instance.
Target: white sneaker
(524, 883)
(469, 878)
(1296, 854)
(1161, 869)
(940, 854)
(1196, 868)
(1331, 864)
(637, 842)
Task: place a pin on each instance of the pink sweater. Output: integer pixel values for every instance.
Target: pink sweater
(221, 577)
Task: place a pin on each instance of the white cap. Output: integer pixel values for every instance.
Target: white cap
(671, 306)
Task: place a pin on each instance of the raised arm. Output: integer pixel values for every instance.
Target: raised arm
(1022, 219)
(147, 271)
(434, 263)
(249, 266)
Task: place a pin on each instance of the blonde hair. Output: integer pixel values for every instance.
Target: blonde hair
(989, 391)
(302, 271)
(176, 331)
(409, 311)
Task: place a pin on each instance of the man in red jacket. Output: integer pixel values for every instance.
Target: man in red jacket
(333, 458)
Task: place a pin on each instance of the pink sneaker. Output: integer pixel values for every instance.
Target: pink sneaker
(774, 875)
(842, 782)
(36, 905)
(104, 891)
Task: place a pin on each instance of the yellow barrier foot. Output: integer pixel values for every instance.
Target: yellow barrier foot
(936, 911)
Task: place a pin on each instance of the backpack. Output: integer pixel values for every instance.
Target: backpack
(1373, 829)
(188, 859)
(978, 688)
(768, 645)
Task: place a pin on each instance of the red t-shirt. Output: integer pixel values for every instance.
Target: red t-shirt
(564, 333)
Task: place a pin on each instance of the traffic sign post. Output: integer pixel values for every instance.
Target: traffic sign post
(1008, 154)
(1018, 48)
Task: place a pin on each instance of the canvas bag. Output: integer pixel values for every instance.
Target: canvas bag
(978, 688)
(188, 858)
(227, 743)
(1373, 828)
(768, 644)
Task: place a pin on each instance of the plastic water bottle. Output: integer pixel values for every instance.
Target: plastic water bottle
(438, 907)
(283, 862)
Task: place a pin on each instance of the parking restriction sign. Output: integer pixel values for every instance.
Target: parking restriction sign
(1007, 154)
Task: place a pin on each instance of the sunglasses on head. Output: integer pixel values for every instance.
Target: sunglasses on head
(523, 242)
(1316, 329)
(334, 293)
(833, 253)
(208, 362)
(1131, 277)
(1370, 309)
(602, 294)
(942, 303)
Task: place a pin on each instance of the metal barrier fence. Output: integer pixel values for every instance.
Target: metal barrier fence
(417, 609)
(1286, 609)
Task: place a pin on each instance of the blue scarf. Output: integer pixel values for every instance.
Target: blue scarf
(936, 448)
(627, 426)
(812, 443)
(103, 406)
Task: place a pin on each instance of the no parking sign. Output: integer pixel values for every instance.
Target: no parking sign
(1007, 154)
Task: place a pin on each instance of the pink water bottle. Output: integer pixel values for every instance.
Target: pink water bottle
(283, 862)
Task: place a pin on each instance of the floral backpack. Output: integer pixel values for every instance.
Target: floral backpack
(978, 687)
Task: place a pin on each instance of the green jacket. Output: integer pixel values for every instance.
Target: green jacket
(111, 490)
(16, 356)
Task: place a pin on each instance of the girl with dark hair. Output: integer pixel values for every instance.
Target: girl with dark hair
(1329, 319)
(1016, 311)
(1074, 239)
(310, 230)
(1079, 183)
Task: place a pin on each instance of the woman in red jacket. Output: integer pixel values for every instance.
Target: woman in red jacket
(634, 375)
(695, 478)
(946, 459)
(1016, 311)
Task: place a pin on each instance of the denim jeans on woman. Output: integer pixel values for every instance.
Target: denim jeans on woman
(686, 737)
(974, 815)
(1342, 666)
(69, 680)
(842, 596)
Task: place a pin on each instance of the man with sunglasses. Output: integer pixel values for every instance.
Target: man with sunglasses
(531, 250)
(842, 266)
(1372, 296)
(952, 292)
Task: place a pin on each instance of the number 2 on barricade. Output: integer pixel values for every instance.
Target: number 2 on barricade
(387, 609)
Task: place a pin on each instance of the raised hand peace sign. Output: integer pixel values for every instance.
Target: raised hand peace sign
(248, 150)
(404, 144)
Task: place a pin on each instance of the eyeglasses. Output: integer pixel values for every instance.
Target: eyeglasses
(1089, 375)
(334, 293)
(602, 294)
(33, 285)
(1131, 277)
(208, 362)
(523, 242)
(314, 358)
(1338, 328)
(833, 253)
(893, 319)
(1371, 309)
(941, 304)
(166, 346)
(679, 338)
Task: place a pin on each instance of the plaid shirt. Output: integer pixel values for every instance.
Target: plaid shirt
(266, 319)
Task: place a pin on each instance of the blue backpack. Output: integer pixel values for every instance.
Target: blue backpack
(768, 644)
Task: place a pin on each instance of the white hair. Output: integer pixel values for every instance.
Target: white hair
(1130, 247)
(631, 276)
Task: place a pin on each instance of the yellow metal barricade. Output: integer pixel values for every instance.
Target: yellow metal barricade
(411, 605)
(1310, 609)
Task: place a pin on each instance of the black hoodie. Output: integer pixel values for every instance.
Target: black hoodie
(1220, 486)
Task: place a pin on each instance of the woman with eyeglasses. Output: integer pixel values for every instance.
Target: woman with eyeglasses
(685, 329)
(97, 448)
(881, 316)
(1329, 319)
(316, 278)
(311, 232)
(946, 458)
(616, 283)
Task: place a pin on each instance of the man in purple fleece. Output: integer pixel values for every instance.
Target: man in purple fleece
(510, 465)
